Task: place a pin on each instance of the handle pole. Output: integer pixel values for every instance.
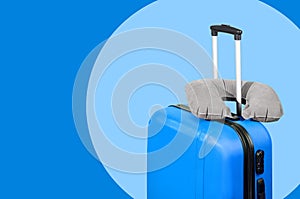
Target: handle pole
(237, 37)
(215, 56)
(238, 76)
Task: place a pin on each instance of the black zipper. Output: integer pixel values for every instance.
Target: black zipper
(248, 148)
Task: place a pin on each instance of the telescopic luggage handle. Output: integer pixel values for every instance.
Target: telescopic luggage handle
(226, 29)
(215, 29)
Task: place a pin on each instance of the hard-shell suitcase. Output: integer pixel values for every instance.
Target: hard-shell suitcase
(192, 158)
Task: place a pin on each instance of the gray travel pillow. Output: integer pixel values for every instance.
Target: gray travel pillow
(206, 100)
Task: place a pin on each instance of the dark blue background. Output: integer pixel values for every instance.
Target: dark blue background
(42, 46)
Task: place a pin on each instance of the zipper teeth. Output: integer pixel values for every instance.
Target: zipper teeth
(248, 159)
(250, 166)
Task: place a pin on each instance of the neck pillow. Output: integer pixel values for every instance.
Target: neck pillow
(206, 100)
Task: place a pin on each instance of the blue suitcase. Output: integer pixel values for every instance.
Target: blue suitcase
(192, 158)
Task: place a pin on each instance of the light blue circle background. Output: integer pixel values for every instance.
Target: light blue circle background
(269, 55)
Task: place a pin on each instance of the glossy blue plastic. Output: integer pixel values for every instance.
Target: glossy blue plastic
(209, 157)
